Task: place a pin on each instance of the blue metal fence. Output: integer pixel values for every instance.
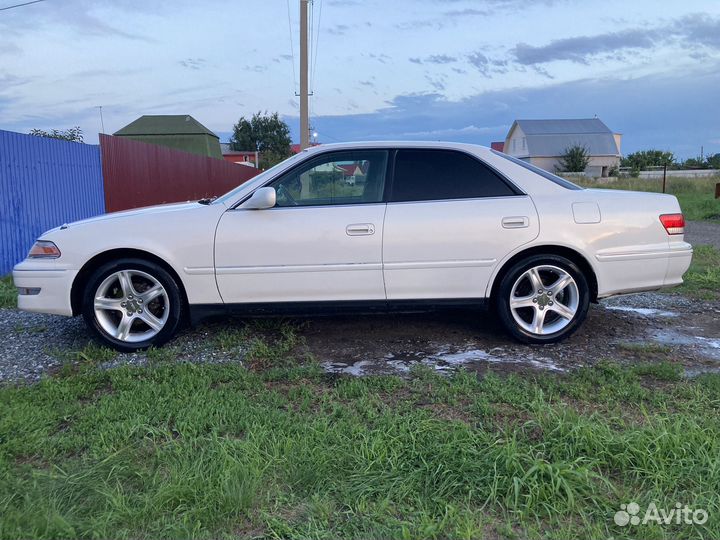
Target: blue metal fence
(43, 183)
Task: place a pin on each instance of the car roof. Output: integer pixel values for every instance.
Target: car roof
(397, 144)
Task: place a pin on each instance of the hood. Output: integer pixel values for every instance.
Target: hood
(158, 209)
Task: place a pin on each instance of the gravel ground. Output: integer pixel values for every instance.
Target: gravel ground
(623, 329)
(703, 232)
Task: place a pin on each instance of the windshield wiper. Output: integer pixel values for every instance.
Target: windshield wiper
(207, 200)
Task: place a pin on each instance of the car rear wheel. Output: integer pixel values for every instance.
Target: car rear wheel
(543, 299)
(131, 304)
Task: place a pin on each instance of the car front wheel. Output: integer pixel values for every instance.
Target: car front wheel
(543, 299)
(131, 304)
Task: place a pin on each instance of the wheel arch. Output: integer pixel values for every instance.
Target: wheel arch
(562, 251)
(76, 292)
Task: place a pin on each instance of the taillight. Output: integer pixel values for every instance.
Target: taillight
(673, 223)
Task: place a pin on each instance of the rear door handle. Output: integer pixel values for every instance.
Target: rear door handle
(515, 222)
(360, 229)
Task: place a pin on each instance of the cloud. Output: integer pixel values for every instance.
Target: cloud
(434, 59)
(382, 58)
(467, 12)
(480, 61)
(691, 31)
(643, 109)
(338, 29)
(700, 29)
(578, 49)
(193, 63)
(77, 16)
(440, 59)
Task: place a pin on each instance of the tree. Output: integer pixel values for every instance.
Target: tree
(574, 159)
(74, 134)
(714, 161)
(648, 158)
(263, 133)
(696, 163)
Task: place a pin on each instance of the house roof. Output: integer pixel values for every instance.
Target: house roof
(553, 137)
(226, 149)
(165, 124)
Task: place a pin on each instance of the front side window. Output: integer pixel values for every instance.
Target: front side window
(352, 177)
(425, 175)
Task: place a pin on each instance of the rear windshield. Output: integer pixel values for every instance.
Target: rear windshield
(542, 172)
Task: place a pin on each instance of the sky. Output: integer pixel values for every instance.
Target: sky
(459, 70)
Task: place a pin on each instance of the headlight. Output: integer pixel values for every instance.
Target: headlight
(44, 249)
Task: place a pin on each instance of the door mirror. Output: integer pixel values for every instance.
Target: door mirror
(262, 198)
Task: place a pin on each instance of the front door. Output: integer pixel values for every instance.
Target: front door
(450, 219)
(321, 242)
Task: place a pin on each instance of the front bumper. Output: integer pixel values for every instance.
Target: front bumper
(54, 284)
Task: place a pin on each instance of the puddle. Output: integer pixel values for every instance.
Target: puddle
(696, 371)
(707, 347)
(443, 360)
(645, 312)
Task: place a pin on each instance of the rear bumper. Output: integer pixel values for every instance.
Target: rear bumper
(54, 286)
(649, 269)
(679, 260)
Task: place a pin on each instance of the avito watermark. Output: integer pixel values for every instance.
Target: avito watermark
(681, 514)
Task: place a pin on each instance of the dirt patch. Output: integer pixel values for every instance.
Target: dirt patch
(688, 331)
(646, 327)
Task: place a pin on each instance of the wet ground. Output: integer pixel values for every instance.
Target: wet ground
(644, 327)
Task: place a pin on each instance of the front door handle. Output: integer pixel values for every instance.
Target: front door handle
(360, 229)
(515, 222)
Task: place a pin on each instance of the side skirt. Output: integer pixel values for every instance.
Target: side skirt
(199, 312)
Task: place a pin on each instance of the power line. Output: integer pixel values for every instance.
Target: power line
(21, 5)
(317, 41)
(292, 49)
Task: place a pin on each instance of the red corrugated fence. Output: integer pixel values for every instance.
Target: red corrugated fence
(139, 174)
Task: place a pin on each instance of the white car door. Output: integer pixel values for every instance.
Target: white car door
(321, 242)
(450, 220)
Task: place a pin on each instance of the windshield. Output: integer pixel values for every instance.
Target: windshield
(542, 172)
(259, 179)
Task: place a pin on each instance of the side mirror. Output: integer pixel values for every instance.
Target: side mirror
(262, 198)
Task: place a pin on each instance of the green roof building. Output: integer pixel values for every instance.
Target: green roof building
(178, 131)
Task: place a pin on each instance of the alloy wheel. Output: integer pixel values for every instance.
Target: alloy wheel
(131, 306)
(544, 299)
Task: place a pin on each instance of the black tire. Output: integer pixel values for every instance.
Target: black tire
(171, 303)
(505, 290)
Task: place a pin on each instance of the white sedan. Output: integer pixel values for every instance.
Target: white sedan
(422, 225)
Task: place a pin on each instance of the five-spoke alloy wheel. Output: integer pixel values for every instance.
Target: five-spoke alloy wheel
(132, 304)
(543, 299)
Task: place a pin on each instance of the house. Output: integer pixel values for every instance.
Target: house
(543, 143)
(242, 157)
(178, 131)
(295, 148)
(498, 146)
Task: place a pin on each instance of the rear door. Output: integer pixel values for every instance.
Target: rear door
(450, 219)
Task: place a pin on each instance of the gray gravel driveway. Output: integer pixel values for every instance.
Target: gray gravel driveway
(703, 232)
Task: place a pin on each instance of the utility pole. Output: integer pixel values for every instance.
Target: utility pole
(304, 112)
(102, 123)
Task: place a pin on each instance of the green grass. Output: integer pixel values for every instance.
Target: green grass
(696, 196)
(220, 451)
(8, 293)
(702, 280)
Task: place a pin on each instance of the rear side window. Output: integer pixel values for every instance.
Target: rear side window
(427, 175)
(542, 172)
